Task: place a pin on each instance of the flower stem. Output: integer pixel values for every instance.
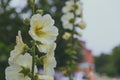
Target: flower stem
(33, 45)
(33, 7)
(33, 58)
(73, 23)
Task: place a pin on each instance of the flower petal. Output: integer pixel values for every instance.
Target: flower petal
(19, 49)
(12, 73)
(24, 60)
(47, 20)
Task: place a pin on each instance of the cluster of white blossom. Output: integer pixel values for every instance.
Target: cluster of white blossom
(72, 16)
(44, 33)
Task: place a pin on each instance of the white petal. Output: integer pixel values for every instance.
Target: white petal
(51, 50)
(46, 48)
(66, 21)
(12, 73)
(69, 3)
(50, 36)
(49, 71)
(79, 10)
(47, 20)
(24, 60)
(19, 48)
(68, 7)
(67, 17)
(68, 26)
(49, 65)
(35, 18)
(43, 47)
(45, 77)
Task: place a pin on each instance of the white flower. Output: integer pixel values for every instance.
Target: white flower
(66, 35)
(70, 6)
(78, 10)
(67, 20)
(45, 77)
(42, 28)
(12, 73)
(49, 61)
(17, 70)
(49, 65)
(19, 49)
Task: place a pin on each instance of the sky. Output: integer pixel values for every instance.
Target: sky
(103, 24)
(102, 33)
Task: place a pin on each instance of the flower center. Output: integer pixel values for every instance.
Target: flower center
(25, 71)
(38, 30)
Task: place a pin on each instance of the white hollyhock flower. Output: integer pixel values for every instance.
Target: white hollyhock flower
(66, 35)
(78, 8)
(12, 73)
(49, 65)
(20, 69)
(42, 28)
(44, 77)
(67, 20)
(70, 6)
(19, 49)
(49, 61)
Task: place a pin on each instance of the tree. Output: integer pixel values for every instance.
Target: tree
(116, 59)
(105, 65)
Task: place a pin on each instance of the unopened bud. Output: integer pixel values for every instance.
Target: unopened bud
(39, 11)
(82, 25)
(66, 35)
(27, 21)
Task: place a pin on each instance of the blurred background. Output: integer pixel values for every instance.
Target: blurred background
(100, 39)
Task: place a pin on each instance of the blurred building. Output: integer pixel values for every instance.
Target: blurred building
(87, 55)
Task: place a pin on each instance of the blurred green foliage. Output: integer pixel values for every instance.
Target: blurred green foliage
(11, 21)
(109, 63)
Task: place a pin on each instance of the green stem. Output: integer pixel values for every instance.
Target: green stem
(33, 59)
(73, 24)
(33, 45)
(33, 7)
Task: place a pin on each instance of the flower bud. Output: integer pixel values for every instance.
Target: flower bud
(39, 11)
(66, 35)
(82, 25)
(26, 21)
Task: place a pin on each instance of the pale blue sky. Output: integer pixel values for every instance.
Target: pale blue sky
(103, 24)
